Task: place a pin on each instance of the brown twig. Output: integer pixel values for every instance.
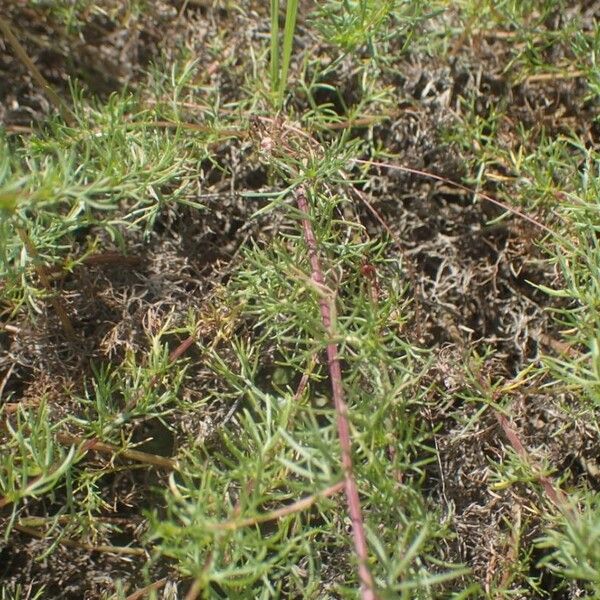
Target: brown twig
(11, 329)
(189, 126)
(157, 585)
(37, 522)
(353, 501)
(304, 380)
(279, 513)
(196, 586)
(559, 346)
(365, 121)
(5, 379)
(111, 258)
(194, 590)
(17, 129)
(135, 455)
(512, 554)
(178, 352)
(65, 112)
(11, 408)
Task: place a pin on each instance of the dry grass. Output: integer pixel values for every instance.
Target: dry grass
(466, 331)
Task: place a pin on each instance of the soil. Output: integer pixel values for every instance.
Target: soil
(472, 283)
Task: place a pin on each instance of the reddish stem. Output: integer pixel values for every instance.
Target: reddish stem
(182, 348)
(458, 186)
(554, 494)
(335, 372)
(139, 594)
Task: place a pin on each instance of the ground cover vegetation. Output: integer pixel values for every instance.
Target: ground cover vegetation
(299, 300)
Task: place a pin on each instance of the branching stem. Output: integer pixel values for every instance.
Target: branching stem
(368, 591)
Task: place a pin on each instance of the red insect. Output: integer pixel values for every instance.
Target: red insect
(368, 271)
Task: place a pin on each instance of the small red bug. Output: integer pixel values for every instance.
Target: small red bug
(370, 272)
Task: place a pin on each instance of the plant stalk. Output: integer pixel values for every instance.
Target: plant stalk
(368, 591)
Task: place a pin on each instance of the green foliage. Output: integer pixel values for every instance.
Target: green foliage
(374, 27)
(555, 175)
(351, 24)
(281, 447)
(571, 547)
(18, 593)
(32, 463)
(74, 14)
(118, 169)
(280, 66)
(220, 516)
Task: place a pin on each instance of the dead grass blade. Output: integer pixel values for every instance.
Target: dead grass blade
(88, 445)
(156, 585)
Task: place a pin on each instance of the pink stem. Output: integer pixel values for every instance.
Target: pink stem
(341, 408)
(554, 493)
(458, 186)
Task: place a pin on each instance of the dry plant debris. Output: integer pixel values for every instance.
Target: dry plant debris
(167, 420)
